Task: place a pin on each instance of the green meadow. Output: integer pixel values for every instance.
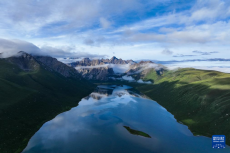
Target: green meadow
(199, 99)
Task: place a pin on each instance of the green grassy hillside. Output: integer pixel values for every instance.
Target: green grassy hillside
(30, 98)
(198, 98)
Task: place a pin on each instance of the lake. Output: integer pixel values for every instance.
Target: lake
(116, 119)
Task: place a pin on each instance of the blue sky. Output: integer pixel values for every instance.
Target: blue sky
(129, 29)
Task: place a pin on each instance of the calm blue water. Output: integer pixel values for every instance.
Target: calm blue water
(96, 126)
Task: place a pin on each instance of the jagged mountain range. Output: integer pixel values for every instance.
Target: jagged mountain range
(94, 62)
(28, 62)
(95, 69)
(104, 69)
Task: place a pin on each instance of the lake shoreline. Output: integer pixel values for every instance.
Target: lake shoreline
(111, 117)
(163, 97)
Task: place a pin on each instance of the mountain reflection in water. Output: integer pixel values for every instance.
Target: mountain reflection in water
(97, 125)
(100, 93)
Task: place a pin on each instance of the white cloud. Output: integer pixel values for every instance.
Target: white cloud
(211, 12)
(128, 78)
(66, 51)
(167, 52)
(12, 47)
(90, 67)
(69, 60)
(217, 33)
(144, 82)
(120, 68)
(42, 18)
(146, 66)
(221, 66)
(105, 23)
(117, 68)
(87, 25)
(89, 42)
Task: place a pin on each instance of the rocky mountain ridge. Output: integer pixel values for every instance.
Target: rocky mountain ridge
(29, 62)
(54, 65)
(25, 61)
(33, 91)
(144, 67)
(97, 69)
(100, 73)
(101, 69)
(94, 62)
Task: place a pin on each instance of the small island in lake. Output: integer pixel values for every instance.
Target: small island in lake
(132, 131)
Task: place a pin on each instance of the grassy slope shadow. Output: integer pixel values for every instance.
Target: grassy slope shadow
(204, 110)
(197, 98)
(28, 100)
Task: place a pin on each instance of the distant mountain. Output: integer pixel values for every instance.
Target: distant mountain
(143, 67)
(94, 62)
(115, 60)
(103, 69)
(33, 90)
(28, 62)
(54, 65)
(100, 73)
(98, 69)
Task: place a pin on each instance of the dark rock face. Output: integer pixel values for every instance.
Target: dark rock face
(88, 62)
(24, 61)
(143, 66)
(97, 69)
(141, 69)
(101, 73)
(28, 62)
(145, 62)
(54, 65)
(115, 60)
(97, 73)
(135, 68)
